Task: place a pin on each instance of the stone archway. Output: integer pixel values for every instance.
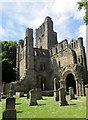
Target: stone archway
(70, 82)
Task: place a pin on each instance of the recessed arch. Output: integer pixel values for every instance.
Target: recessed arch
(70, 82)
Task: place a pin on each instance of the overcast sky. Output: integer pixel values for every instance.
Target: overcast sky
(17, 15)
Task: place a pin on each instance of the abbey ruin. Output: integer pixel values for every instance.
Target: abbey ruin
(37, 67)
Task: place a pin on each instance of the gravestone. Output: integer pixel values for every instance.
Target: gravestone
(71, 93)
(86, 90)
(10, 93)
(9, 114)
(39, 93)
(62, 97)
(10, 103)
(33, 97)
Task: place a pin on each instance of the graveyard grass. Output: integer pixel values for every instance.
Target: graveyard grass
(48, 108)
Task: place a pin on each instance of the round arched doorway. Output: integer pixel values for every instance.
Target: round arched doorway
(70, 82)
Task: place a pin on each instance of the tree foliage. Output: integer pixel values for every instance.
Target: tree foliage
(8, 60)
(83, 4)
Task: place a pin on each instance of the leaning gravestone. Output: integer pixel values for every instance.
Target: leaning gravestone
(10, 103)
(71, 93)
(33, 97)
(9, 114)
(62, 97)
(39, 93)
(86, 89)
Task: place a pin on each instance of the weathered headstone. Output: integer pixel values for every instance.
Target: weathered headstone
(33, 97)
(71, 93)
(9, 114)
(62, 97)
(86, 89)
(10, 103)
(10, 93)
(39, 93)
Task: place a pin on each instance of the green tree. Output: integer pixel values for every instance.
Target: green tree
(83, 4)
(8, 60)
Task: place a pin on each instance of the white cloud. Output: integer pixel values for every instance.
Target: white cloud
(82, 33)
(79, 14)
(32, 15)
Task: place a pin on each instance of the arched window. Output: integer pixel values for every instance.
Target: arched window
(43, 53)
(59, 64)
(61, 46)
(35, 53)
(42, 67)
(56, 50)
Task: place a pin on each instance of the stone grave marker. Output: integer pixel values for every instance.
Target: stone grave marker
(33, 97)
(62, 97)
(86, 90)
(71, 93)
(39, 93)
(10, 93)
(9, 114)
(10, 103)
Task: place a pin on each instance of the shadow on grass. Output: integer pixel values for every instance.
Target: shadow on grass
(18, 103)
(19, 111)
(41, 104)
(71, 104)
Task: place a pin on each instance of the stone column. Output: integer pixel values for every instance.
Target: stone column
(71, 93)
(56, 93)
(62, 97)
(77, 87)
(81, 88)
(86, 89)
(33, 97)
(83, 91)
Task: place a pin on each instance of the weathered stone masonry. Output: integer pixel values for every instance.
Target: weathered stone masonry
(38, 67)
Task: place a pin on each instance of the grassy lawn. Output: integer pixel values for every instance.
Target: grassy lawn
(48, 108)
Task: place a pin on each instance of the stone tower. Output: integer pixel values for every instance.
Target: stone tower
(45, 35)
